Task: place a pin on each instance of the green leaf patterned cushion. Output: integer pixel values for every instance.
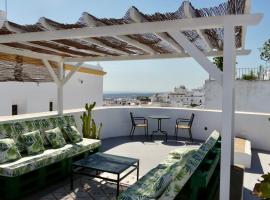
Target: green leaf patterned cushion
(55, 138)
(33, 142)
(8, 150)
(73, 134)
(161, 184)
(180, 152)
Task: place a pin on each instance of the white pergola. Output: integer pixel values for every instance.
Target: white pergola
(171, 33)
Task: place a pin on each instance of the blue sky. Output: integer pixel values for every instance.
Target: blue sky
(141, 76)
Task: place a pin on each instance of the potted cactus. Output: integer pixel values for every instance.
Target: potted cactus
(89, 127)
(262, 189)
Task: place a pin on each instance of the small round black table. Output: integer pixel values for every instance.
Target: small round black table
(159, 130)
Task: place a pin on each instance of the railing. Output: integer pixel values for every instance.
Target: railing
(258, 73)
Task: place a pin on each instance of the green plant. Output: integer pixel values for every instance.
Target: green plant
(218, 61)
(249, 77)
(89, 127)
(265, 51)
(262, 189)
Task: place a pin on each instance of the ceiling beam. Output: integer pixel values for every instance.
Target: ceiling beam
(189, 13)
(136, 16)
(136, 28)
(149, 57)
(92, 23)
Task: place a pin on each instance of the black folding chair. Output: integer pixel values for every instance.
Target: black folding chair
(184, 124)
(140, 122)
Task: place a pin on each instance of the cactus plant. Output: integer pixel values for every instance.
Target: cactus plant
(262, 189)
(89, 127)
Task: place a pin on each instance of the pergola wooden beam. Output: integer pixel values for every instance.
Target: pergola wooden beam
(244, 28)
(52, 28)
(136, 28)
(91, 22)
(147, 57)
(91, 40)
(203, 36)
(139, 18)
(14, 29)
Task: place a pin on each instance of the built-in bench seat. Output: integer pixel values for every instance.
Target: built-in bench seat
(32, 172)
(180, 165)
(29, 163)
(242, 152)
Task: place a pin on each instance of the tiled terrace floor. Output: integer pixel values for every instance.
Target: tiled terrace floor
(150, 154)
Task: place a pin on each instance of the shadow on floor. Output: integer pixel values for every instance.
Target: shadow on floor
(256, 165)
(247, 195)
(111, 143)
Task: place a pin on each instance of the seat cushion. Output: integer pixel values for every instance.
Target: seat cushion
(50, 156)
(183, 126)
(141, 125)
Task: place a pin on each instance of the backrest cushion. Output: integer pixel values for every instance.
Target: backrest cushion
(183, 171)
(15, 129)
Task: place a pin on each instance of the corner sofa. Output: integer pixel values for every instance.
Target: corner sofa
(32, 172)
(189, 169)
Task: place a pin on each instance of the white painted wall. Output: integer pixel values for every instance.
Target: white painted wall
(253, 126)
(116, 122)
(252, 96)
(33, 97)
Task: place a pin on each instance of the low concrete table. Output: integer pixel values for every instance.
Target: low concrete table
(101, 162)
(242, 152)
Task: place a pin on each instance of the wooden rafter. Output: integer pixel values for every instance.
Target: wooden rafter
(50, 27)
(136, 16)
(189, 13)
(91, 22)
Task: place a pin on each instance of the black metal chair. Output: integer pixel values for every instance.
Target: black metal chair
(184, 124)
(140, 122)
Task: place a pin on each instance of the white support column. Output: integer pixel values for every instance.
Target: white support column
(60, 90)
(227, 132)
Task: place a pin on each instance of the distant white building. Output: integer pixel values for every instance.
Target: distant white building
(181, 96)
(29, 97)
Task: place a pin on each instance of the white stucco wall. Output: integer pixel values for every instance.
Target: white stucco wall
(252, 96)
(116, 122)
(33, 97)
(253, 126)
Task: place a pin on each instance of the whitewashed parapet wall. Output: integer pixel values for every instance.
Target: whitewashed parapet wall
(116, 122)
(253, 126)
(34, 98)
(251, 96)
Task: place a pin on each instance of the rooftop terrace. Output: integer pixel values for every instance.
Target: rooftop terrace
(144, 149)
